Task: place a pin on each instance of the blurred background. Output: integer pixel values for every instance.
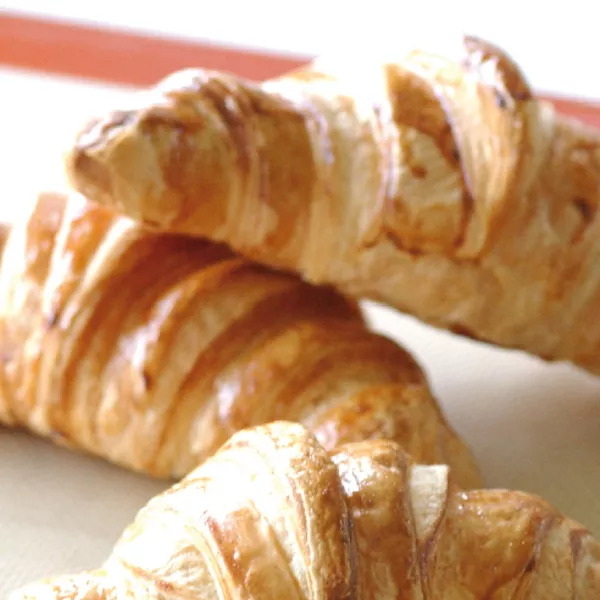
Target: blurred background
(532, 425)
(555, 42)
(62, 61)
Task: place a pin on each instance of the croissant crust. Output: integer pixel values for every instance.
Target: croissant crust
(151, 349)
(438, 185)
(362, 522)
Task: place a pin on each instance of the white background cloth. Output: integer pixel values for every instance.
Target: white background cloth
(532, 425)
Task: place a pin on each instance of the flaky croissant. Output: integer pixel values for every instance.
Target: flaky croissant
(436, 185)
(272, 515)
(151, 349)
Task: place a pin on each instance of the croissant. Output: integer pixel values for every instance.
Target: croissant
(363, 522)
(440, 186)
(151, 349)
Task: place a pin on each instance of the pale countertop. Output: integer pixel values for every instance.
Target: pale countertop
(533, 426)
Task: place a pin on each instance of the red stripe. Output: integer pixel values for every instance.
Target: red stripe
(121, 57)
(587, 112)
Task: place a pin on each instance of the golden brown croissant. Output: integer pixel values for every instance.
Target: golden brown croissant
(363, 522)
(151, 349)
(439, 186)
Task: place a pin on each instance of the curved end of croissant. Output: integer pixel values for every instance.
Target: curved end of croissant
(83, 586)
(88, 175)
(114, 164)
(150, 160)
(85, 163)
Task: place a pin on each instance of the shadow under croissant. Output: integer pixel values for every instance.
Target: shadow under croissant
(361, 521)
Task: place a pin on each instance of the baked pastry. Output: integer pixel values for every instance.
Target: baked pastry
(151, 349)
(438, 185)
(363, 522)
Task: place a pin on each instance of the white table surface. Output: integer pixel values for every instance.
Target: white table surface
(533, 426)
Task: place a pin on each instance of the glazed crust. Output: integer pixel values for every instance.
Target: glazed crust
(363, 522)
(151, 349)
(437, 185)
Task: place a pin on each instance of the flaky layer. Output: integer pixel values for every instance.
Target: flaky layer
(436, 184)
(151, 349)
(364, 522)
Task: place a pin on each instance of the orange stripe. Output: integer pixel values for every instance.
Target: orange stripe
(587, 112)
(121, 57)
(136, 59)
